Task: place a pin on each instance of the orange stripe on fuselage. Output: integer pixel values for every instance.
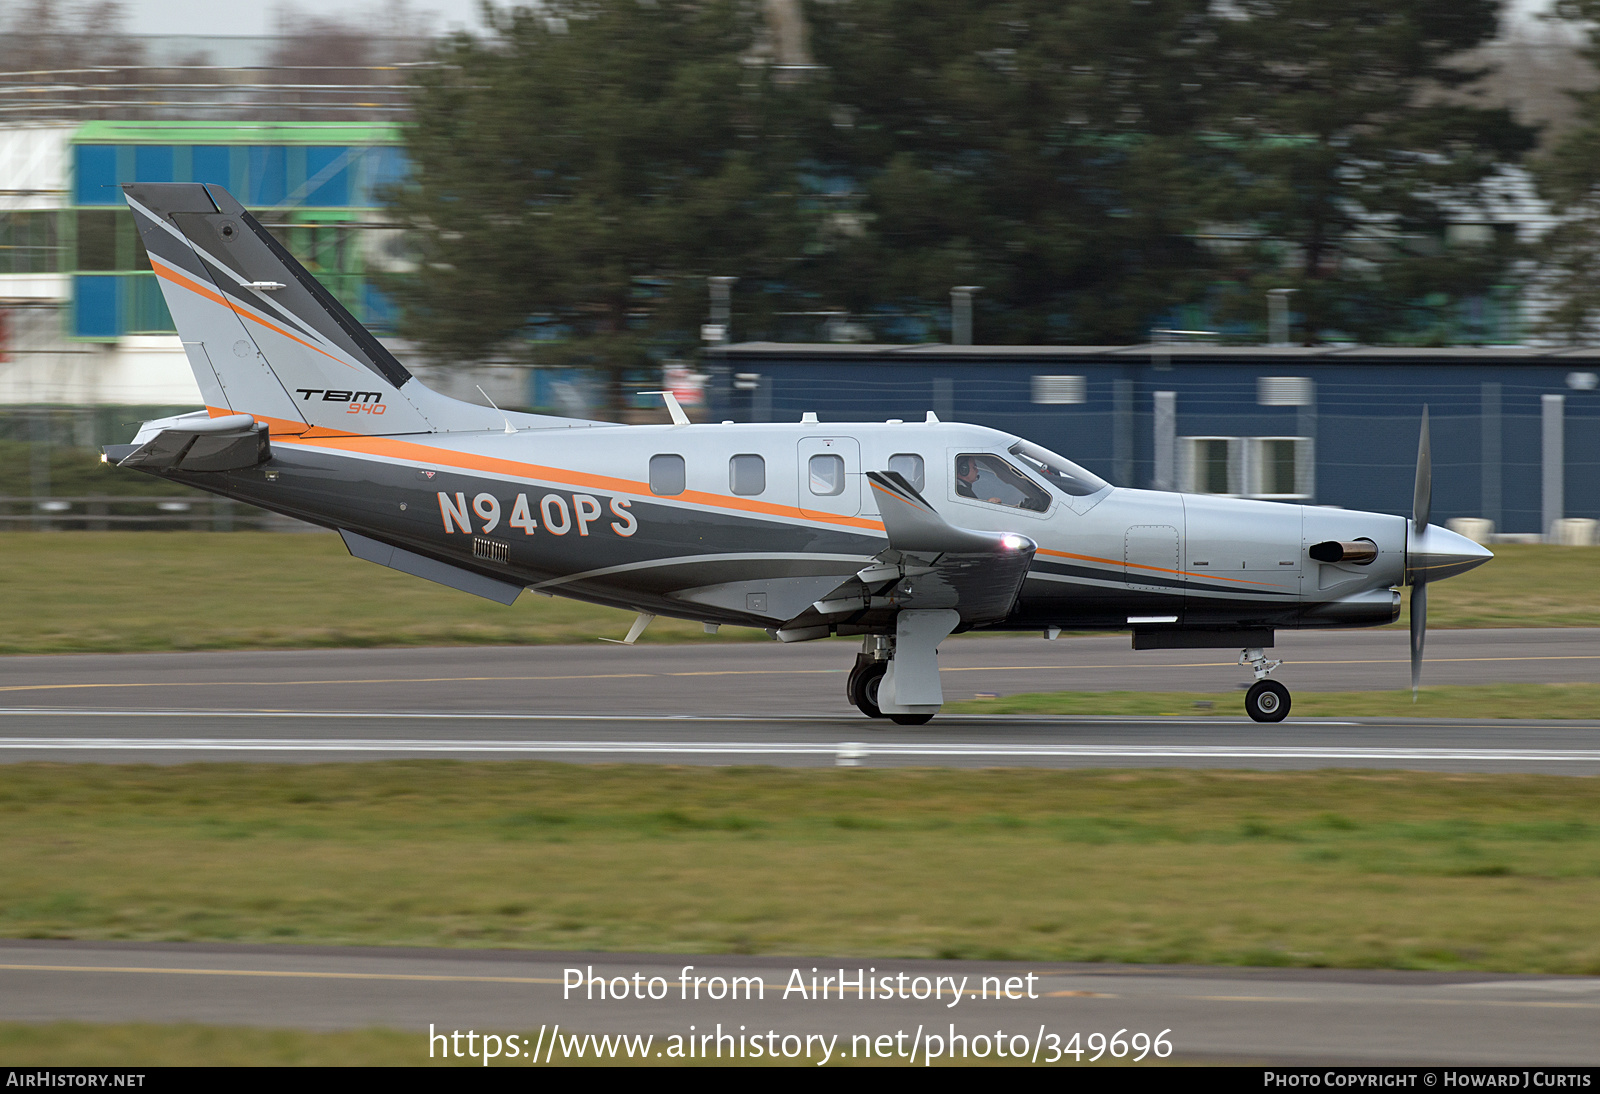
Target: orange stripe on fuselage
(194, 286)
(276, 427)
(1158, 569)
(419, 453)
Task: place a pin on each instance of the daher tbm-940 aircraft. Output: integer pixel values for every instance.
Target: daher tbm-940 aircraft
(898, 532)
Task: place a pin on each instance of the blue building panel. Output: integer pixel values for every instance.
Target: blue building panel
(267, 179)
(211, 163)
(95, 175)
(327, 181)
(96, 311)
(153, 163)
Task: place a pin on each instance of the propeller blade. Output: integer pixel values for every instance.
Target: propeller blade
(1419, 632)
(1421, 510)
(1422, 498)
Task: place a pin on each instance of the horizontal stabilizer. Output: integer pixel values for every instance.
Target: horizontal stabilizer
(409, 562)
(203, 446)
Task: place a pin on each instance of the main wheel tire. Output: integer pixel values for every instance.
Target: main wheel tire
(1267, 701)
(910, 719)
(865, 692)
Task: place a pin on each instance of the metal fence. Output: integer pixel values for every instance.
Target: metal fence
(120, 512)
(202, 92)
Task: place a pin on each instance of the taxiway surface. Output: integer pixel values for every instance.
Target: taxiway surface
(1289, 1016)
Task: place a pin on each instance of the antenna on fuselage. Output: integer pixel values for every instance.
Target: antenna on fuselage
(497, 410)
(931, 419)
(678, 416)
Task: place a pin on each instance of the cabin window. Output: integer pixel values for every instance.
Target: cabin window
(666, 475)
(910, 468)
(827, 475)
(985, 477)
(747, 474)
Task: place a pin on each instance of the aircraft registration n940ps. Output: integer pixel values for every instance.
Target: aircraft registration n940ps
(900, 533)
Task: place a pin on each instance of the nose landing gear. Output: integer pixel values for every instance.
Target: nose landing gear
(1267, 700)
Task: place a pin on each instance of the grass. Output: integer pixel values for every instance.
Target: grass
(115, 592)
(131, 1045)
(1368, 869)
(1481, 701)
(80, 592)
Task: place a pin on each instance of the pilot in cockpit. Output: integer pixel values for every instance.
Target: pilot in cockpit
(979, 479)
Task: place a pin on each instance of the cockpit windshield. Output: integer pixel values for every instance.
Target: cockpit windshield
(1059, 472)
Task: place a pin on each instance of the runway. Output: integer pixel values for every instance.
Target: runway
(769, 703)
(757, 678)
(1288, 1016)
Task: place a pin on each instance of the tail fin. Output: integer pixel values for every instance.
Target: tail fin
(264, 337)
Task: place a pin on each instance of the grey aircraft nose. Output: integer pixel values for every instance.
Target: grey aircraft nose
(1437, 553)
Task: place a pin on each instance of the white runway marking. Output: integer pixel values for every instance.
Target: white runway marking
(801, 748)
(676, 719)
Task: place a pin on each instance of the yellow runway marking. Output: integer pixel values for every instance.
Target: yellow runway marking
(285, 974)
(1409, 1002)
(295, 974)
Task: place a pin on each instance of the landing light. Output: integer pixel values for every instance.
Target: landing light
(1013, 543)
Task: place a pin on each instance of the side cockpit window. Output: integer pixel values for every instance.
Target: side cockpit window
(988, 478)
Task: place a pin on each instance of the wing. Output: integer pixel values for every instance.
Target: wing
(929, 563)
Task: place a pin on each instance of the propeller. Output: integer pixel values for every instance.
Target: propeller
(1421, 510)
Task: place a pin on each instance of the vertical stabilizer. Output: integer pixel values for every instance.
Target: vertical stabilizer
(262, 335)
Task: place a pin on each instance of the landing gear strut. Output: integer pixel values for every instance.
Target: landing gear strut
(1267, 700)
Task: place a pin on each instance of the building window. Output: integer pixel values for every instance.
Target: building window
(909, 466)
(1060, 390)
(1280, 467)
(747, 475)
(1254, 467)
(28, 242)
(666, 475)
(1211, 465)
(1285, 391)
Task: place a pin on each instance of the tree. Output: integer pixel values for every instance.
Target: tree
(581, 170)
(1355, 141)
(1048, 152)
(1569, 178)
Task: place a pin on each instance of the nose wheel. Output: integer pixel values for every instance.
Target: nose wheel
(1267, 701)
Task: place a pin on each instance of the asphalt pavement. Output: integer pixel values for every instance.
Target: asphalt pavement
(772, 703)
(1287, 1016)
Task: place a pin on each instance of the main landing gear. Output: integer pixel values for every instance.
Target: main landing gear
(896, 676)
(1267, 700)
(862, 688)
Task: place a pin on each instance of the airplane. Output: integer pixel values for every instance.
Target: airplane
(899, 532)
